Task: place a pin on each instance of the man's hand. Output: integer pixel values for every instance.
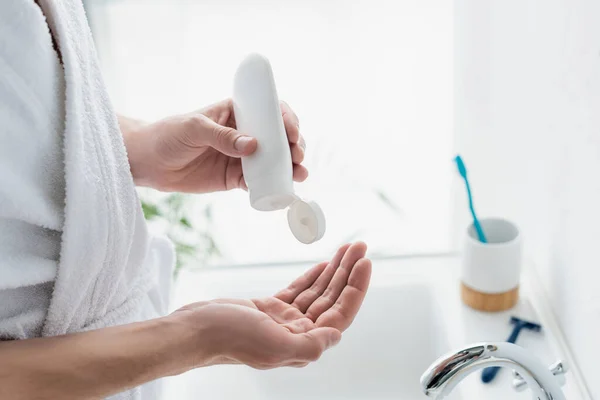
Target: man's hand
(199, 152)
(293, 327)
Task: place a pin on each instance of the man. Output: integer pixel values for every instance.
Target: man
(80, 316)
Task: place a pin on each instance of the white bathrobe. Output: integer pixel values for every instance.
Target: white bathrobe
(73, 233)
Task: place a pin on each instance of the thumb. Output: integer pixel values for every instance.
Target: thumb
(229, 141)
(310, 345)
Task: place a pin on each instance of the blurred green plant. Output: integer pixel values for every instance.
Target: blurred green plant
(194, 243)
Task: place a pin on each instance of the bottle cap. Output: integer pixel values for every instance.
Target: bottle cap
(306, 221)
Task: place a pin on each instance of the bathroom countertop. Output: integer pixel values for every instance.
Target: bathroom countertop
(461, 324)
(468, 325)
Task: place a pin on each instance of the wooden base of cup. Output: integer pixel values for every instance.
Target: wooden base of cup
(490, 302)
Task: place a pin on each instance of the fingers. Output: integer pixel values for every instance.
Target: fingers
(297, 153)
(227, 140)
(302, 143)
(291, 122)
(234, 177)
(339, 281)
(298, 150)
(301, 284)
(309, 295)
(300, 173)
(297, 142)
(243, 185)
(310, 345)
(342, 313)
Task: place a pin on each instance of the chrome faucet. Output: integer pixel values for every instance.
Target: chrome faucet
(444, 374)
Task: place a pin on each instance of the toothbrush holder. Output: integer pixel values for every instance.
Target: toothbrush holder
(491, 271)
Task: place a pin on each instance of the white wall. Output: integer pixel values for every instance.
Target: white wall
(527, 122)
(365, 77)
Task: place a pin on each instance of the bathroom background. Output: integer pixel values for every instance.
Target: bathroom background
(387, 92)
(527, 118)
(370, 80)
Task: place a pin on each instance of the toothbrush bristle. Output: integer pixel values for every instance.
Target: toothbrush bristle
(462, 170)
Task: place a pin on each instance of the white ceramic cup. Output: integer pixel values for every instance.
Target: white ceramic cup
(493, 267)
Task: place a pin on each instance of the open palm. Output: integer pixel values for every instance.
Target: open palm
(328, 295)
(297, 324)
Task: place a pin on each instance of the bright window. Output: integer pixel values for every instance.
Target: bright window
(371, 81)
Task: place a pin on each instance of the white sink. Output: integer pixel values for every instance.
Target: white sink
(381, 356)
(411, 316)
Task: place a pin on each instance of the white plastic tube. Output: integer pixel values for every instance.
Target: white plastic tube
(269, 171)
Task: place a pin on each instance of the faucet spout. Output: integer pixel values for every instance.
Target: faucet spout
(445, 373)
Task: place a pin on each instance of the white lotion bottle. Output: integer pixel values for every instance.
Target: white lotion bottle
(268, 172)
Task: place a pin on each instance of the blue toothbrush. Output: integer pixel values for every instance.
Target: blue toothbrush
(462, 170)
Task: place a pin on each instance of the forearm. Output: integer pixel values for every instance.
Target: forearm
(129, 124)
(130, 130)
(98, 363)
